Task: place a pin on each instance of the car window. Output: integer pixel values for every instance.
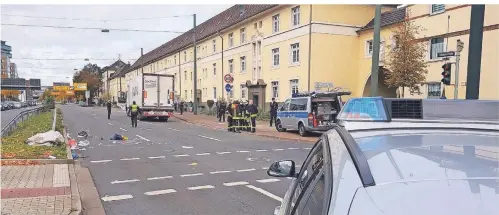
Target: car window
(285, 106)
(314, 202)
(298, 104)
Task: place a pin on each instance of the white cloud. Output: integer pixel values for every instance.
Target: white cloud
(31, 42)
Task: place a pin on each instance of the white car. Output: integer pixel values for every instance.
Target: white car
(17, 104)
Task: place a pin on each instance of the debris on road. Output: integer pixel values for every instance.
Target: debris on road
(119, 137)
(48, 138)
(82, 134)
(83, 143)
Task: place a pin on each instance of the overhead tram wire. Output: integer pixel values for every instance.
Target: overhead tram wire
(96, 20)
(69, 59)
(87, 28)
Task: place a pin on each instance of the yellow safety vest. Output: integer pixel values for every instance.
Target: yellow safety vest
(135, 108)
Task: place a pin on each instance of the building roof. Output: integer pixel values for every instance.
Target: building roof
(388, 18)
(115, 66)
(223, 20)
(121, 72)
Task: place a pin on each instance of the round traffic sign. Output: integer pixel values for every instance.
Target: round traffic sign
(228, 78)
(228, 87)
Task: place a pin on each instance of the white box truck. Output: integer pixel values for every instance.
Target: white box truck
(154, 94)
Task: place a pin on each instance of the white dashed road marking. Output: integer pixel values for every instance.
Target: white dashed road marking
(211, 138)
(123, 129)
(201, 187)
(188, 175)
(173, 129)
(129, 159)
(293, 148)
(268, 180)
(158, 157)
(204, 154)
(237, 183)
(125, 181)
(187, 147)
(261, 150)
(114, 198)
(110, 123)
(101, 161)
(159, 178)
(245, 170)
(264, 192)
(278, 149)
(184, 155)
(243, 151)
(307, 148)
(160, 192)
(218, 172)
(221, 153)
(141, 137)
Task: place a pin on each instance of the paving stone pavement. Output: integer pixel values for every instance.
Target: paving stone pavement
(36, 189)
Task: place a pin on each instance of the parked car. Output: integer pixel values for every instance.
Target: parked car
(17, 105)
(10, 105)
(4, 106)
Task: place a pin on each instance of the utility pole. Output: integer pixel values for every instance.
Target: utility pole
(195, 108)
(459, 48)
(375, 56)
(475, 51)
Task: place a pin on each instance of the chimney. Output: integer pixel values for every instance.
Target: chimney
(241, 10)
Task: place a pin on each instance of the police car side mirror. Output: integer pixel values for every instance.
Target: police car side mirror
(285, 168)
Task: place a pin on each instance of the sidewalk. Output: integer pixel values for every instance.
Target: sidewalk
(37, 189)
(262, 128)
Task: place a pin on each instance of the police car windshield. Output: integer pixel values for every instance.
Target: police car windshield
(430, 155)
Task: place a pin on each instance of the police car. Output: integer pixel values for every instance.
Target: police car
(400, 156)
(310, 112)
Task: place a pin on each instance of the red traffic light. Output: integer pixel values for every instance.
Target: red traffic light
(446, 66)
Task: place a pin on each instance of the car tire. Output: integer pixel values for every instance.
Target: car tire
(301, 130)
(279, 127)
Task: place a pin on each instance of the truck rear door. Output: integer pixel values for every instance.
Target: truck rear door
(150, 90)
(166, 87)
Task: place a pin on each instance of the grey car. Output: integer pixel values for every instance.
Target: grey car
(396, 167)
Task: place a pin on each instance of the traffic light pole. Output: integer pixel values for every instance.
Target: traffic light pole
(459, 48)
(375, 56)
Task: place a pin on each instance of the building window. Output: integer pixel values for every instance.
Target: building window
(295, 53)
(255, 25)
(369, 48)
(231, 66)
(214, 93)
(185, 75)
(175, 59)
(294, 86)
(191, 77)
(243, 64)
(436, 46)
(275, 89)
(243, 35)
(185, 56)
(434, 90)
(437, 8)
(275, 23)
(275, 57)
(231, 40)
(214, 71)
(185, 95)
(214, 46)
(260, 24)
(243, 91)
(295, 15)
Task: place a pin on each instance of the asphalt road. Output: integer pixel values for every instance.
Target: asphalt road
(178, 168)
(8, 115)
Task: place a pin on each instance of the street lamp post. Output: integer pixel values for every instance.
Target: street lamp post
(195, 108)
(222, 41)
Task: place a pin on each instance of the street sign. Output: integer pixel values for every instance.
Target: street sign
(321, 85)
(228, 87)
(228, 78)
(80, 86)
(446, 54)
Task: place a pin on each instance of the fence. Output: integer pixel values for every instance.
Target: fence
(24, 115)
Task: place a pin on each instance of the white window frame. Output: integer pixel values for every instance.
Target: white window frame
(295, 11)
(292, 51)
(438, 11)
(275, 94)
(214, 92)
(243, 64)
(244, 91)
(231, 66)
(293, 84)
(444, 46)
(275, 52)
(275, 23)
(436, 85)
(369, 48)
(214, 46)
(231, 40)
(214, 71)
(243, 35)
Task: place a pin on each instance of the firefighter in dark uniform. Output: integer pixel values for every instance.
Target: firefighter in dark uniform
(221, 111)
(273, 111)
(134, 112)
(238, 117)
(243, 120)
(230, 114)
(253, 111)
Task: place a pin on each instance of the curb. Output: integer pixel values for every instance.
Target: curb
(45, 161)
(260, 135)
(76, 208)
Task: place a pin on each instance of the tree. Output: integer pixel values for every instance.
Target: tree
(406, 61)
(90, 74)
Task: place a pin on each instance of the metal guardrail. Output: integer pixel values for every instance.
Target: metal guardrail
(22, 116)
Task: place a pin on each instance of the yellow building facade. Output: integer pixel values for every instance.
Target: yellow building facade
(276, 50)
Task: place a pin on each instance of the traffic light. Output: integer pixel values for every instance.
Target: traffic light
(446, 73)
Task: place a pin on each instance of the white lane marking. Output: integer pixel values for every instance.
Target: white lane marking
(221, 153)
(110, 123)
(201, 187)
(158, 157)
(269, 180)
(265, 168)
(211, 138)
(173, 129)
(264, 192)
(114, 198)
(160, 192)
(218, 172)
(230, 184)
(158, 178)
(141, 137)
(100, 161)
(242, 151)
(204, 154)
(261, 150)
(123, 129)
(297, 165)
(293, 148)
(129, 159)
(307, 148)
(187, 147)
(184, 155)
(124, 181)
(188, 175)
(245, 170)
(278, 149)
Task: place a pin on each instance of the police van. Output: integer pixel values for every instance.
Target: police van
(310, 112)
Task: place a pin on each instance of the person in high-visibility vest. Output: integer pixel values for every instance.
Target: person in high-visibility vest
(134, 112)
(253, 111)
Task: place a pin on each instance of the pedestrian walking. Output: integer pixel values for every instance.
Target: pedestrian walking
(108, 109)
(253, 111)
(273, 111)
(181, 107)
(134, 112)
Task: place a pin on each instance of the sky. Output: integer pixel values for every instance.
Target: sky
(100, 48)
